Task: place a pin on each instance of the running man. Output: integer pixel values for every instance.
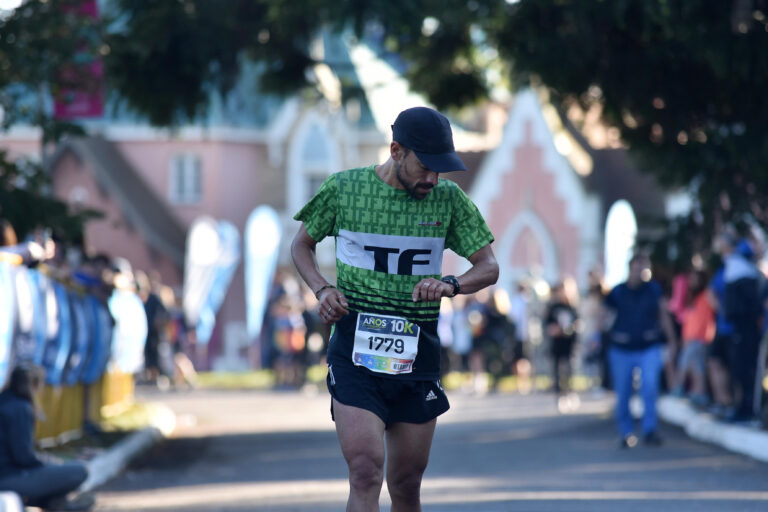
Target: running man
(391, 223)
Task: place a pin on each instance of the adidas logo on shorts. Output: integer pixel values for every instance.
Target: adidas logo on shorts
(431, 396)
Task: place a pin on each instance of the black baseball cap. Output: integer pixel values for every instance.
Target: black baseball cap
(427, 133)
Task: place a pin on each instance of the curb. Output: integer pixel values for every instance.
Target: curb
(703, 427)
(110, 463)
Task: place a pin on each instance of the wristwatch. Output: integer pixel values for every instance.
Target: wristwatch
(452, 281)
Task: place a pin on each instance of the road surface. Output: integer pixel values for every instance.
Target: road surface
(277, 452)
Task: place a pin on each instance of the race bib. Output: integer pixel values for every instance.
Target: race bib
(385, 344)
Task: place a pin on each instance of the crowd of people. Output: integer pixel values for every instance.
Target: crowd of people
(696, 335)
(703, 335)
(720, 314)
(42, 480)
(712, 358)
(38, 478)
(170, 346)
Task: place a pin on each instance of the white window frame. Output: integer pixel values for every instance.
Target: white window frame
(185, 179)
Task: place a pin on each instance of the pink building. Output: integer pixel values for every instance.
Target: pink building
(547, 207)
(546, 194)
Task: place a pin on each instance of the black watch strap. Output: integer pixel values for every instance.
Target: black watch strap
(452, 281)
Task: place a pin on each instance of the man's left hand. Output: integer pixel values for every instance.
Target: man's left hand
(431, 290)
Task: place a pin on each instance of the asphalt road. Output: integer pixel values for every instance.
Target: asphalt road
(277, 452)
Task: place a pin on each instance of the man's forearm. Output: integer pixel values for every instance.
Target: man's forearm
(306, 264)
(484, 272)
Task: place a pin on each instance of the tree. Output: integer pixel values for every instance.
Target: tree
(681, 80)
(165, 57)
(37, 44)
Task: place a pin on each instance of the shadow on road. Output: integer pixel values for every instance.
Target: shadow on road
(490, 454)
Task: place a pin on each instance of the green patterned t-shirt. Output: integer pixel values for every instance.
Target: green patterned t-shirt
(387, 241)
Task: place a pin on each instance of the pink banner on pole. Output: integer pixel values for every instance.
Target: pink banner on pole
(86, 100)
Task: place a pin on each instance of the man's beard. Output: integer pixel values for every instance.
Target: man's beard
(415, 191)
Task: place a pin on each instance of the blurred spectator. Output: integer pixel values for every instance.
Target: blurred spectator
(462, 334)
(636, 336)
(289, 334)
(475, 308)
(318, 332)
(156, 318)
(445, 333)
(39, 483)
(591, 332)
(560, 327)
(499, 335)
(40, 247)
(718, 359)
(518, 314)
(698, 331)
(180, 338)
(677, 306)
(7, 234)
(743, 306)
(101, 277)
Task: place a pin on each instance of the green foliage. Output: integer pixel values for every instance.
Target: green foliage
(165, 57)
(39, 43)
(682, 80)
(26, 205)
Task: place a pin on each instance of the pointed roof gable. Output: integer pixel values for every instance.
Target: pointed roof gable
(138, 202)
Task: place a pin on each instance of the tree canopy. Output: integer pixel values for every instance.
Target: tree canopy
(39, 42)
(681, 80)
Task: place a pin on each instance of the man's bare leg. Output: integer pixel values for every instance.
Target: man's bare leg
(361, 436)
(408, 446)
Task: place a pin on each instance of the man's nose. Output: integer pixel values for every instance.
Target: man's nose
(432, 178)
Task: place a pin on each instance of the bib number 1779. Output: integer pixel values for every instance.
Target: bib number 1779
(383, 344)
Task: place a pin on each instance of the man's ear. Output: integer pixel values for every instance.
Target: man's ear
(396, 151)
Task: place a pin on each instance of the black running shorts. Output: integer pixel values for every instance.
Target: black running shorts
(392, 400)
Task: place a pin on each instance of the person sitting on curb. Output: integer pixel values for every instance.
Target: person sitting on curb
(38, 483)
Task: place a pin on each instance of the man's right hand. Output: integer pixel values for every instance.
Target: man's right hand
(332, 305)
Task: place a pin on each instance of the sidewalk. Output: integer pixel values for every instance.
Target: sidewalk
(103, 467)
(702, 426)
(148, 424)
(111, 462)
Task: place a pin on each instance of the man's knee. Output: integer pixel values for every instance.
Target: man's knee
(405, 486)
(365, 471)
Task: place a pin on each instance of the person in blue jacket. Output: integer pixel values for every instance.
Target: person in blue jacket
(743, 305)
(642, 323)
(22, 471)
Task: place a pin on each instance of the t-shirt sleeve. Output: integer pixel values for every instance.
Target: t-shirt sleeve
(468, 231)
(319, 214)
(610, 299)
